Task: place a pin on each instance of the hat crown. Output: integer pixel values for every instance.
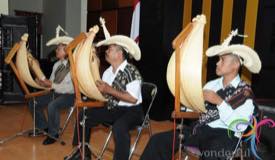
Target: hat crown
(58, 29)
(106, 32)
(59, 39)
(227, 41)
(127, 43)
(233, 33)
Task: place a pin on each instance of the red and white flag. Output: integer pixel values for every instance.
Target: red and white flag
(135, 21)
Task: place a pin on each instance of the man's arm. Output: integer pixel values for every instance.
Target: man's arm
(45, 83)
(243, 112)
(212, 97)
(121, 95)
(227, 114)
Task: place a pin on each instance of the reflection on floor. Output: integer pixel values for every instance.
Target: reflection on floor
(15, 118)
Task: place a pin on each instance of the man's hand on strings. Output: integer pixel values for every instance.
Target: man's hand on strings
(212, 97)
(45, 83)
(103, 87)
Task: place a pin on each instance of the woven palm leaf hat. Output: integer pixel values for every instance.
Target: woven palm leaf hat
(128, 44)
(248, 57)
(59, 39)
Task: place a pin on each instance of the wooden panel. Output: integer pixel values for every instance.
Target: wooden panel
(109, 4)
(187, 11)
(124, 21)
(94, 5)
(125, 3)
(250, 30)
(111, 20)
(206, 10)
(226, 18)
(250, 22)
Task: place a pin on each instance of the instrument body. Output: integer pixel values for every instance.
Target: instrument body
(23, 59)
(87, 66)
(190, 47)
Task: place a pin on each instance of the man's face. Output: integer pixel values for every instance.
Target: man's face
(112, 53)
(60, 51)
(227, 64)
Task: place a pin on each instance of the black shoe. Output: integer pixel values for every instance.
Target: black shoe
(77, 156)
(88, 153)
(38, 132)
(50, 140)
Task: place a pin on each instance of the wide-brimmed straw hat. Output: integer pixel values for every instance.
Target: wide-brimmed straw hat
(59, 39)
(248, 57)
(128, 44)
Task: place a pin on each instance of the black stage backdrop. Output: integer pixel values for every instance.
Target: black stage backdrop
(161, 21)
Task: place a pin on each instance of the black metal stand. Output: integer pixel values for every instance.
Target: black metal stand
(31, 132)
(71, 111)
(80, 145)
(181, 136)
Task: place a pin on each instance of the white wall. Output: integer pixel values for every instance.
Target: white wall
(73, 17)
(53, 15)
(4, 7)
(70, 14)
(83, 16)
(76, 16)
(25, 5)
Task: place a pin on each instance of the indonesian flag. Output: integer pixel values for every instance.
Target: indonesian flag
(135, 21)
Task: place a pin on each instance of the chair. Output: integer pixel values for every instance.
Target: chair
(149, 91)
(193, 153)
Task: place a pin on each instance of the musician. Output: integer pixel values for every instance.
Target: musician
(121, 84)
(62, 95)
(227, 98)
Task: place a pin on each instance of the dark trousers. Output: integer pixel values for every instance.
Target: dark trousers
(121, 118)
(213, 143)
(54, 103)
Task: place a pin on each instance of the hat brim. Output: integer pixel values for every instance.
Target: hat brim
(250, 58)
(58, 40)
(127, 43)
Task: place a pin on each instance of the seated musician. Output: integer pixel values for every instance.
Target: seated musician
(227, 98)
(121, 84)
(61, 97)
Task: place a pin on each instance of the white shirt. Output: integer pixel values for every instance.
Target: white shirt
(133, 88)
(66, 85)
(227, 114)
